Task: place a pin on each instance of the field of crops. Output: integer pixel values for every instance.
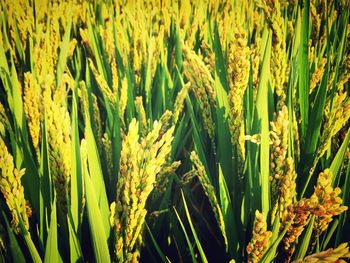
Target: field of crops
(174, 131)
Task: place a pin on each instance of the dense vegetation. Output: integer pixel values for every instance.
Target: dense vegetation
(162, 131)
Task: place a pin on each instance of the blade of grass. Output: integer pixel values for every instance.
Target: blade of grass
(64, 47)
(224, 138)
(45, 187)
(305, 241)
(76, 194)
(199, 246)
(97, 177)
(330, 233)
(96, 224)
(271, 251)
(316, 115)
(274, 238)
(304, 69)
(30, 244)
(229, 219)
(154, 242)
(263, 118)
(186, 237)
(15, 249)
(51, 250)
(76, 254)
(339, 158)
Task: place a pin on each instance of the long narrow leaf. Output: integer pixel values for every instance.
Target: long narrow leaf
(99, 237)
(51, 251)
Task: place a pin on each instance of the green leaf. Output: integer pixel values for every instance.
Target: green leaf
(197, 138)
(262, 116)
(274, 240)
(154, 242)
(76, 254)
(199, 246)
(330, 233)
(96, 51)
(97, 177)
(339, 158)
(17, 109)
(186, 236)
(64, 47)
(271, 251)
(227, 212)
(18, 43)
(45, 196)
(305, 242)
(316, 115)
(223, 135)
(3, 59)
(304, 69)
(96, 224)
(51, 250)
(76, 187)
(15, 249)
(29, 242)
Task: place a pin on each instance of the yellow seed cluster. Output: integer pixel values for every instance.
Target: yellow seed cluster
(165, 120)
(209, 58)
(72, 45)
(163, 178)
(257, 18)
(287, 188)
(12, 189)
(32, 107)
(318, 74)
(323, 204)
(279, 133)
(141, 114)
(338, 117)
(141, 162)
(316, 21)
(202, 83)
(58, 131)
(107, 150)
(115, 77)
(141, 29)
(4, 122)
(180, 100)
(330, 255)
(326, 201)
(260, 239)
(102, 83)
(238, 70)
(209, 191)
(97, 121)
(106, 33)
(298, 214)
(255, 59)
(21, 22)
(272, 11)
(123, 99)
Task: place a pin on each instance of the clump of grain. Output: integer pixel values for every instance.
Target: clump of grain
(328, 256)
(140, 164)
(12, 189)
(209, 191)
(260, 239)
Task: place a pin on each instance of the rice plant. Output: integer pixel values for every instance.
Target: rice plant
(174, 131)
